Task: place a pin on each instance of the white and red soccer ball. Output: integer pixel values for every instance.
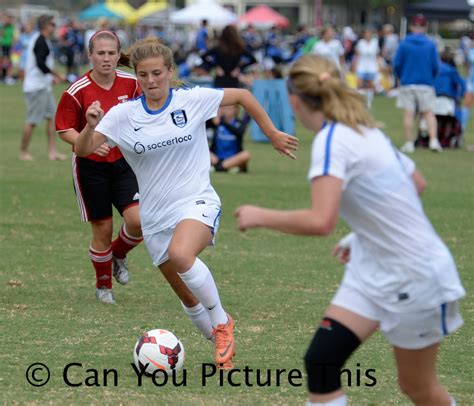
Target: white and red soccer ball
(159, 350)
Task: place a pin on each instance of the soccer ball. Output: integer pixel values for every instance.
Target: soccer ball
(158, 350)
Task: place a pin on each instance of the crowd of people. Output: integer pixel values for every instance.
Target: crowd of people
(159, 181)
(371, 62)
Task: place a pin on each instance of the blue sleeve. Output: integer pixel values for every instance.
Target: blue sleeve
(461, 85)
(397, 62)
(435, 61)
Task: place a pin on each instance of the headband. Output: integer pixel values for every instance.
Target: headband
(104, 32)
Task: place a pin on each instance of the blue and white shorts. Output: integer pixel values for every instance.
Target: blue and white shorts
(411, 331)
(158, 243)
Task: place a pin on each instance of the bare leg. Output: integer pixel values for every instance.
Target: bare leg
(238, 160)
(101, 234)
(432, 124)
(417, 376)
(214, 159)
(53, 154)
(182, 252)
(408, 120)
(25, 142)
(131, 217)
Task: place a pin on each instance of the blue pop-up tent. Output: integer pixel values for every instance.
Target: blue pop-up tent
(99, 10)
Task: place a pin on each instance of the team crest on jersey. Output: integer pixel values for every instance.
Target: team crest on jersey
(179, 118)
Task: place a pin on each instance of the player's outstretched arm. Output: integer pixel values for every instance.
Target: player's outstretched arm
(282, 142)
(89, 140)
(320, 219)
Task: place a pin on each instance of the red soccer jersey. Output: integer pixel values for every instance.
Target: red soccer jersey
(71, 111)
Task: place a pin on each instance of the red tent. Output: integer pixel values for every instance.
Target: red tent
(264, 16)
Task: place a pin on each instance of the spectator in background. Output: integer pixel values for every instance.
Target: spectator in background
(7, 36)
(301, 36)
(449, 85)
(252, 39)
(202, 38)
(37, 87)
(367, 50)
(390, 43)
(229, 58)
(72, 46)
(227, 151)
(349, 39)
(416, 65)
(469, 99)
(450, 88)
(24, 40)
(329, 47)
(272, 44)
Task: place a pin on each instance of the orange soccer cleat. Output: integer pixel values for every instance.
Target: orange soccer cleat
(224, 340)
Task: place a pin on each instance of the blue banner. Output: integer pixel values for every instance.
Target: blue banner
(273, 96)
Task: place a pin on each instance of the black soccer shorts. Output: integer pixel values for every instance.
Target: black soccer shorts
(99, 185)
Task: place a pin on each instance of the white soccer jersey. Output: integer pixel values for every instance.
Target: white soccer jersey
(367, 52)
(168, 151)
(397, 259)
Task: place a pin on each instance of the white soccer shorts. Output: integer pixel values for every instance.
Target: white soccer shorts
(411, 331)
(158, 243)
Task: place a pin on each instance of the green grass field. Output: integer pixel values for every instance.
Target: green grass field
(276, 286)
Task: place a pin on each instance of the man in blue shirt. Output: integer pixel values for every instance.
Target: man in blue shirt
(416, 64)
(202, 37)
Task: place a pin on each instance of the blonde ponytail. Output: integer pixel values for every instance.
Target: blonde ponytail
(318, 82)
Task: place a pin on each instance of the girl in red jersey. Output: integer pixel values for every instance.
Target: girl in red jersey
(103, 178)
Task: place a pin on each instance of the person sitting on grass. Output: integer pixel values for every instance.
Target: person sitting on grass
(226, 149)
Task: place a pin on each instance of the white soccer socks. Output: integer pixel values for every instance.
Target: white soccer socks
(200, 318)
(200, 281)
(340, 401)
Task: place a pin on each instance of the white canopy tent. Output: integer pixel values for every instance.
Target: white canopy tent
(209, 10)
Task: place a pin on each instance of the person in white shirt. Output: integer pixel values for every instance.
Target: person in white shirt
(400, 277)
(162, 135)
(367, 51)
(390, 43)
(330, 47)
(37, 87)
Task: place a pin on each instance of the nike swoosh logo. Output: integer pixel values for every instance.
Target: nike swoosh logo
(222, 354)
(136, 129)
(206, 216)
(156, 364)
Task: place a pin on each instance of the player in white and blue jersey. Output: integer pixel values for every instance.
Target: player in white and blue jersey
(400, 277)
(162, 136)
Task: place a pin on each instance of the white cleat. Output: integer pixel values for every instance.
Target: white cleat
(408, 147)
(120, 270)
(435, 146)
(105, 295)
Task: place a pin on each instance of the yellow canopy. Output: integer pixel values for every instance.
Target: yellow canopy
(151, 7)
(122, 7)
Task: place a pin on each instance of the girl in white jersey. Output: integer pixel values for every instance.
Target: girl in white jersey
(162, 136)
(400, 277)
